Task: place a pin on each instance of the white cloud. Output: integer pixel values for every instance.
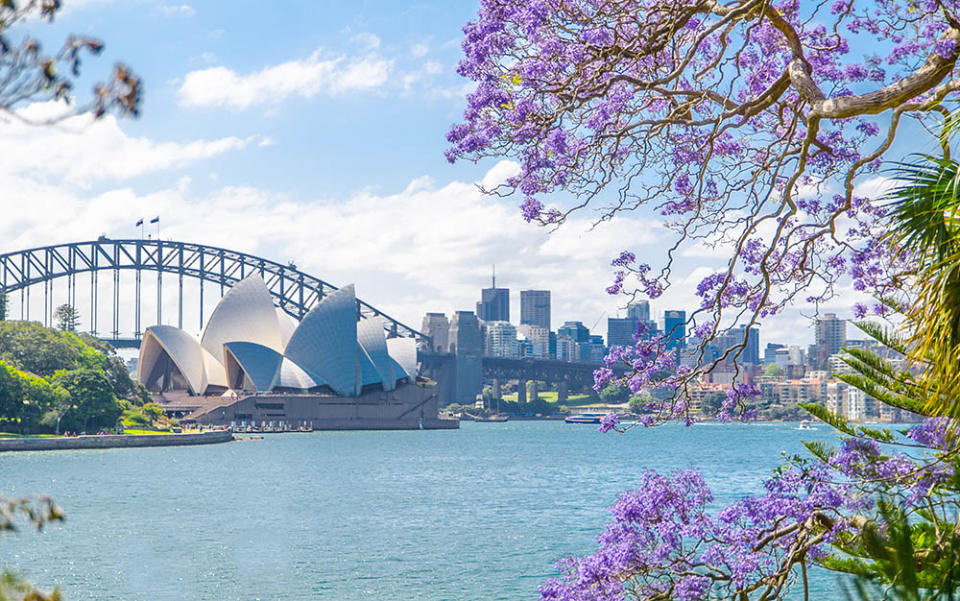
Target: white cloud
(419, 50)
(220, 86)
(367, 40)
(875, 187)
(81, 151)
(428, 247)
(176, 10)
(499, 174)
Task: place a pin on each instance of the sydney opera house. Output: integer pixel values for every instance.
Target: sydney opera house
(255, 364)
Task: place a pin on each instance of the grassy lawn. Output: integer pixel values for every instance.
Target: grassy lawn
(15, 435)
(142, 432)
(574, 400)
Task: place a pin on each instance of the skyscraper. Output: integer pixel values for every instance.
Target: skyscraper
(620, 331)
(575, 330)
(675, 328)
(539, 339)
(535, 308)
(494, 302)
(639, 310)
(500, 339)
(831, 333)
(466, 340)
(737, 336)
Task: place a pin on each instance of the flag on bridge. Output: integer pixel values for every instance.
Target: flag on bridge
(139, 222)
(155, 219)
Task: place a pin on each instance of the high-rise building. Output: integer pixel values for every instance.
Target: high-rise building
(437, 327)
(620, 331)
(675, 328)
(738, 335)
(535, 308)
(566, 348)
(575, 330)
(770, 353)
(538, 338)
(494, 303)
(639, 310)
(467, 342)
(501, 339)
(593, 350)
(831, 333)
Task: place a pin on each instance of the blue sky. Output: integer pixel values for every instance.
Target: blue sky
(314, 132)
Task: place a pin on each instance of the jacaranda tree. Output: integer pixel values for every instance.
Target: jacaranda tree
(746, 124)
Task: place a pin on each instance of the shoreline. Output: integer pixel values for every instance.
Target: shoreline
(114, 441)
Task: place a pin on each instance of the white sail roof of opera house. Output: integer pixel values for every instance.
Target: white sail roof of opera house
(190, 359)
(250, 344)
(288, 326)
(325, 342)
(403, 351)
(292, 376)
(244, 314)
(373, 344)
(260, 364)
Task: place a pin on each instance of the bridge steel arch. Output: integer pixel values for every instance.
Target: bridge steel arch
(295, 292)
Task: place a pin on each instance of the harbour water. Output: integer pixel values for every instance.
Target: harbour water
(480, 513)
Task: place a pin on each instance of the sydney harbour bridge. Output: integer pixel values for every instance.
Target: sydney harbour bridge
(116, 284)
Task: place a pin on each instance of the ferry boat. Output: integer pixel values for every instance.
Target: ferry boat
(584, 418)
(805, 426)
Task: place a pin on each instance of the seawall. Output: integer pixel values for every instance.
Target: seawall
(114, 441)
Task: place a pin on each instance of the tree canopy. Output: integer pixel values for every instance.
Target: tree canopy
(48, 374)
(745, 124)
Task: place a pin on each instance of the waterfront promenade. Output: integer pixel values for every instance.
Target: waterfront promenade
(111, 441)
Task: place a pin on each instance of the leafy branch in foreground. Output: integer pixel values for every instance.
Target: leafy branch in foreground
(37, 511)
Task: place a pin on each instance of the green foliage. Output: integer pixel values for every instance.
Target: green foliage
(773, 370)
(925, 214)
(917, 561)
(93, 404)
(878, 377)
(67, 318)
(614, 395)
(895, 555)
(42, 370)
(44, 351)
(154, 411)
(712, 402)
(825, 415)
(25, 398)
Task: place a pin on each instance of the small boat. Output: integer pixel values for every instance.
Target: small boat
(584, 418)
(491, 418)
(805, 426)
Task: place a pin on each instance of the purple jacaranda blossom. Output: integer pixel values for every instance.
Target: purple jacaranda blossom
(589, 130)
(609, 422)
(667, 534)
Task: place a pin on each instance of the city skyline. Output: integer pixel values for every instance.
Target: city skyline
(828, 332)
